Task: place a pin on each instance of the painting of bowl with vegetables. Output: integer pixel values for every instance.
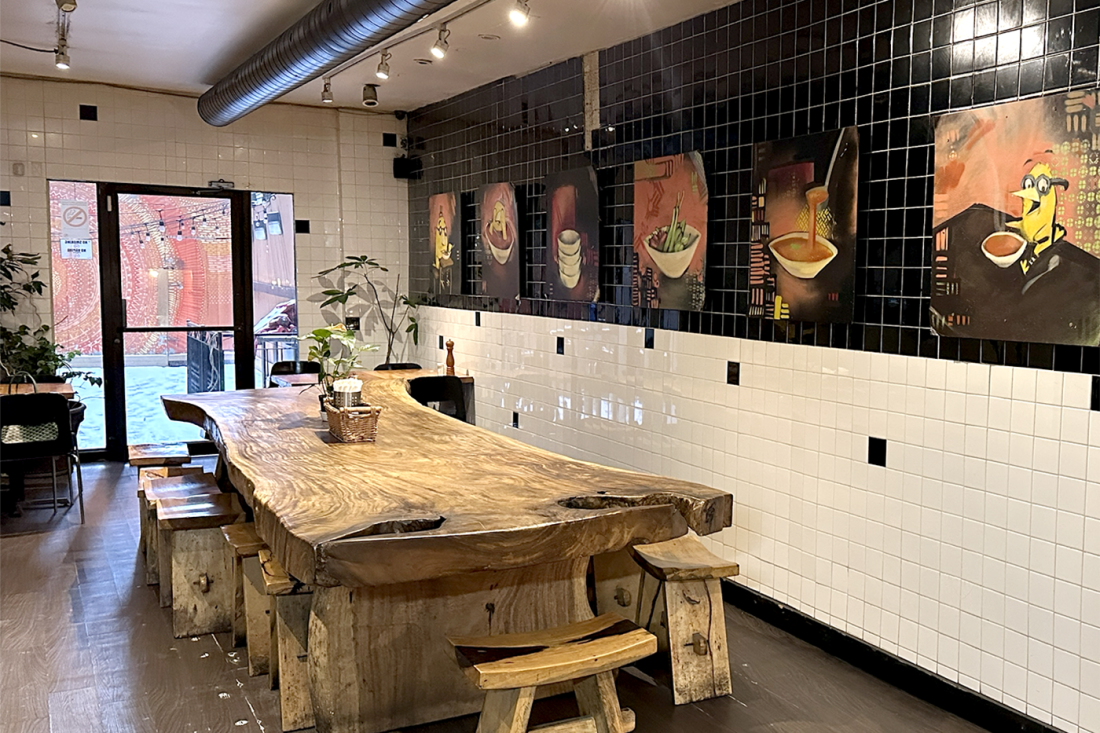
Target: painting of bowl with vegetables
(670, 225)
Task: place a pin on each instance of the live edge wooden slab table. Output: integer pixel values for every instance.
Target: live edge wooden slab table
(438, 529)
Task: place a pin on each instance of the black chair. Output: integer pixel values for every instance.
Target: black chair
(443, 390)
(395, 367)
(39, 426)
(293, 367)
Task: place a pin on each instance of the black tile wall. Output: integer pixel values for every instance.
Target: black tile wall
(717, 83)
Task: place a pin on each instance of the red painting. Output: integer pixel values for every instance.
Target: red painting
(670, 232)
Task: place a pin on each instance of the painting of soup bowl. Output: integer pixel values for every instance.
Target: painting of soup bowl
(794, 254)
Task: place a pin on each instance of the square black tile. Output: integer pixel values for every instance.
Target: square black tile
(5, 198)
(733, 372)
(89, 112)
(1095, 404)
(876, 451)
(515, 419)
(649, 338)
(301, 226)
(561, 344)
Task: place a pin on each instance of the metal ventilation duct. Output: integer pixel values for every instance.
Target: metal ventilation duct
(330, 34)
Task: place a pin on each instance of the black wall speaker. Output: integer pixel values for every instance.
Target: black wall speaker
(407, 167)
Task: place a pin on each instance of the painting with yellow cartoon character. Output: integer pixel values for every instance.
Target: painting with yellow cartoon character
(1016, 222)
(500, 241)
(443, 227)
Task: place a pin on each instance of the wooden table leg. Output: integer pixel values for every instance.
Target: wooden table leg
(401, 671)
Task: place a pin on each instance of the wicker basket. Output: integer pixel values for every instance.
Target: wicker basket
(353, 424)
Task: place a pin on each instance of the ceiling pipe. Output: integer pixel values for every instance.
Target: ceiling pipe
(329, 35)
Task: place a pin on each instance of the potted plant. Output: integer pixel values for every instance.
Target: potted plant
(398, 314)
(26, 352)
(334, 365)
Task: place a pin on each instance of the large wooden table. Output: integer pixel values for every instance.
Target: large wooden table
(439, 528)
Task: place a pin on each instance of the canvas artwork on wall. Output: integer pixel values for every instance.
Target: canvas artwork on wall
(445, 243)
(499, 234)
(803, 233)
(670, 232)
(1016, 221)
(573, 235)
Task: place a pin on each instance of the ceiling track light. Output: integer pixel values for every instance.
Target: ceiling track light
(370, 95)
(326, 93)
(383, 71)
(66, 6)
(439, 48)
(61, 55)
(519, 13)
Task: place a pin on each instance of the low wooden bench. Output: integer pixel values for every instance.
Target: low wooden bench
(159, 454)
(241, 541)
(191, 486)
(201, 578)
(510, 668)
(688, 577)
(147, 538)
(289, 660)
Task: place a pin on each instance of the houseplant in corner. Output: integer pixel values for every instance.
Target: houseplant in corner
(399, 313)
(27, 352)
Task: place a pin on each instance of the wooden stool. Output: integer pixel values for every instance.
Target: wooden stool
(191, 486)
(160, 454)
(689, 574)
(289, 661)
(509, 667)
(201, 579)
(148, 535)
(241, 542)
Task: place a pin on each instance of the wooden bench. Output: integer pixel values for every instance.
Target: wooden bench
(688, 577)
(147, 539)
(192, 486)
(201, 578)
(289, 661)
(510, 667)
(159, 454)
(241, 541)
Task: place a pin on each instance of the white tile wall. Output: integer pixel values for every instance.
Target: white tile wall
(975, 553)
(332, 161)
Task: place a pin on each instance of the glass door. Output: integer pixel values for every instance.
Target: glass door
(176, 305)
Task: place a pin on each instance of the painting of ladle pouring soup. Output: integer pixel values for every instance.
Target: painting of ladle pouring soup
(670, 232)
(500, 241)
(1016, 222)
(803, 231)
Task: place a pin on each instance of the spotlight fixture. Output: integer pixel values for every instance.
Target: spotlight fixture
(61, 55)
(326, 93)
(66, 6)
(439, 49)
(370, 95)
(160, 220)
(519, 13)
(384, 65)
(179, 232)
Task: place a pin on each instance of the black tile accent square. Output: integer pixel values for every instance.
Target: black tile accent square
(649, 338)
(477, 319)
(876, 451)
(515, 419)
(733, 372)
(301, 226)
(561, 344)
(5, 198)
(352, 323)
(389, 139)
(89, 112)
(1096, 393)
(441, 341)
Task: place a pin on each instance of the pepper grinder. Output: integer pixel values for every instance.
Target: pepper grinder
(450, 358)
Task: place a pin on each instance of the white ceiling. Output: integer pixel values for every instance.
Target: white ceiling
(187, 45)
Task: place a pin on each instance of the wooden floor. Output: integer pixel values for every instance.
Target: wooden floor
(85, 647)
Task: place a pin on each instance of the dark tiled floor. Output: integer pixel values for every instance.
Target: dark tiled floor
(85, 647)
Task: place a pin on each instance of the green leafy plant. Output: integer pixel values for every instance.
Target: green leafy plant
(401, 312)
(339, 364)
(27, 352)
